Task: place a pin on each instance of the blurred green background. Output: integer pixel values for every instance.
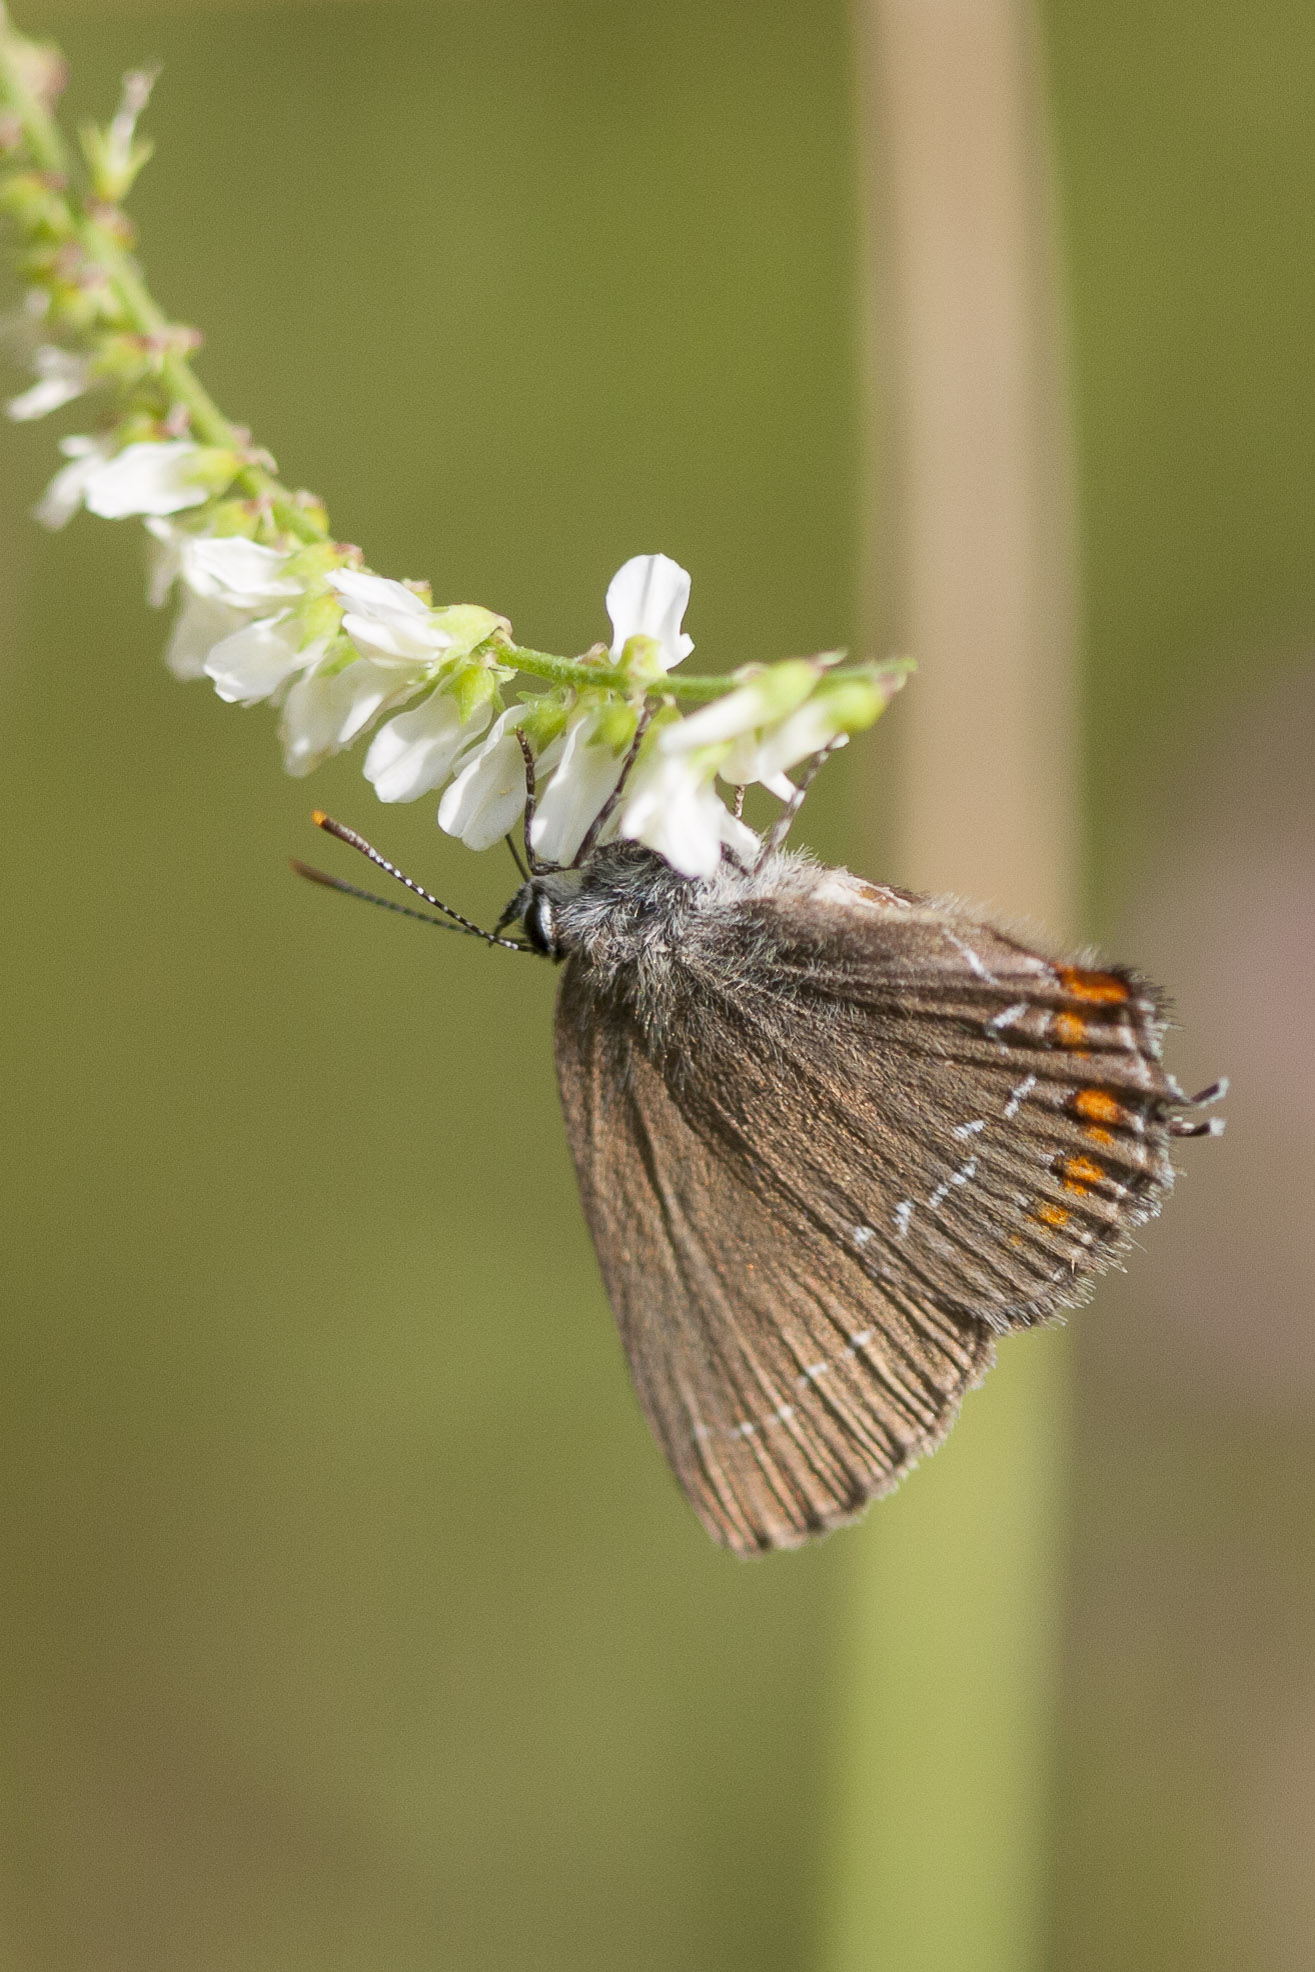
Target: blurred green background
(352, 1619)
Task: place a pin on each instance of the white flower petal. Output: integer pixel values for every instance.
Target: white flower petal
(252, 663)
(164, 559)
(376, 595)
(488, 794)
(583, 781)
(769, 757)
(233, 570)
(146, 478)
(647, 597)
(202, 625)
(66, 491)
(62, 376)
(414, 753)
(324, 711)
(726, 718)
(487, 797)
(386, 619)
(672, 808)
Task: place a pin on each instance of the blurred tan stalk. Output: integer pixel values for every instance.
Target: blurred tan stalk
(938, 1858)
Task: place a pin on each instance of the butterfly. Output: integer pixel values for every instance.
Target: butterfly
(833, 1139)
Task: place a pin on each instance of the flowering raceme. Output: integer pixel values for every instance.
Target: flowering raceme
(273, 611)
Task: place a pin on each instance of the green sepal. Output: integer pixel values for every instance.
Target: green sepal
(545, 717)
(37, 206)
(139, 427)
(214, 467)
(319, 615)
(231, 518)
(124, 360)
(614, 724)
(468, 625)
(311, 564)
(303, 516)
(113, 172)
(73, 306)
(471, 685)
(779, 688)
(853, 704)
(641, 658)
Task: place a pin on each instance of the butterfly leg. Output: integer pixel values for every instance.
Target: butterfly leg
(776, 834)
(536, 865)
(608, 809)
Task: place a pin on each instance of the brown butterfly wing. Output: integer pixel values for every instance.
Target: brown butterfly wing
(844, 1136)
(785, 1385)
(991, 1123)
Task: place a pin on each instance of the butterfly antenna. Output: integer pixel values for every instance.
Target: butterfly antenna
(367, 849)
(313, 875)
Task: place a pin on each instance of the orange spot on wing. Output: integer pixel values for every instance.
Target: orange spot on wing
(1098, 1135)
(1100, 988)
(1070, 1030)
(1052, 1215)
(1099, 1106)
(1084, 1170)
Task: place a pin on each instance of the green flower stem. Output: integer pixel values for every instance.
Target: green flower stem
(582, 673)
(95, 230)
(41, 133)
(141, 313)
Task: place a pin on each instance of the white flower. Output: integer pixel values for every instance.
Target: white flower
(164, 559)
(769, 757)
(671, 807)
(65, 493)
(227, 582)
(488, 793)
(386, 619)
(230, 569)
(326, 708)
(256, 660)
(200, 626)
(647, 597)
(20, 327)
(146, 478)
(585, 778)
(61, 376)
(777, 719)
(413, 754)
(739, 712)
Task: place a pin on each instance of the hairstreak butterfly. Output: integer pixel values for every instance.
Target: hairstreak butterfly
(832, 1140)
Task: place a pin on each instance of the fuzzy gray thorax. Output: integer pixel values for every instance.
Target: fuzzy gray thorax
(627, 912)
(623, 906)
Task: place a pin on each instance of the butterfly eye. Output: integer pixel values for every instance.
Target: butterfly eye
(541, 925)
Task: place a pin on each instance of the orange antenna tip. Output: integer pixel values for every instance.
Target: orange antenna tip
(319, 817)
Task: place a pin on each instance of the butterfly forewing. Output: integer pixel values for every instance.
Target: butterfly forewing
(785, 1385)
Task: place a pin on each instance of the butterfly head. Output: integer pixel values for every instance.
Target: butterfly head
(542, 907)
